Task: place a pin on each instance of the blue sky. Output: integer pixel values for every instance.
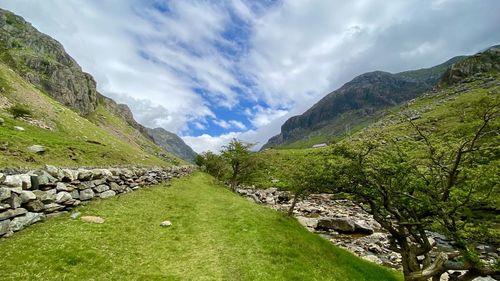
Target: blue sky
(213, 70)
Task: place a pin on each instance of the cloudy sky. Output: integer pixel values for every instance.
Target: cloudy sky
(214, 70)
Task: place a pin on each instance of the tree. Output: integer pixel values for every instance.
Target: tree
(306, 177)
(237, 155)
(424, 183)
(213, 164)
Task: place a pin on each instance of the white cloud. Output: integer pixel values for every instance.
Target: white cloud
(237, 124)
(169, 67)
(206, 142)
(261, 116)
(222, 124)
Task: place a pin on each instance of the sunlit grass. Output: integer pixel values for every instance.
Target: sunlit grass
(216, 235)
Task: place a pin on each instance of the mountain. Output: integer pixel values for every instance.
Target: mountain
(356, 104)
(172, 143)
(45, 91)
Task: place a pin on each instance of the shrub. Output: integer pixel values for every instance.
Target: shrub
(20, 110)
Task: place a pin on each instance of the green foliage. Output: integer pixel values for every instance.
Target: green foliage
(213, 164)
(425, 179)
(20, 110)
(215, 235)
(237, 156)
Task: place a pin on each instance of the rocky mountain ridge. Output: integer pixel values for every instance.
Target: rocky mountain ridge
(172, 143)
(42, 61)
(359, 101)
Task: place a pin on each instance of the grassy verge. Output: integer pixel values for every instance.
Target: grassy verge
(215, 235)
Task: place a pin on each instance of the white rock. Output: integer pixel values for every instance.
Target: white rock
(107, 194)
(19, 223)
(38, 148)
(26, 196)
(63, 187)
(373, 259)
(63, 196)
(86, 194)
(165, 223)
(4, 193)
(18, 128)
(14, 181)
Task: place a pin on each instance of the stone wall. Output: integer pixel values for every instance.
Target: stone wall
(27, 198)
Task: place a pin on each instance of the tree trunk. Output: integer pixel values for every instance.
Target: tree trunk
(294, 202)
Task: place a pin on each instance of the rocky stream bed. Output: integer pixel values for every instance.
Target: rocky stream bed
(347, 225)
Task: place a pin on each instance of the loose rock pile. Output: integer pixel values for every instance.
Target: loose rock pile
(347, 225)
(29, 197)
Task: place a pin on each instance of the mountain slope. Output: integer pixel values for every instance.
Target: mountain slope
(355, 104)
(69, 139)
(43, 63)
(172, 143)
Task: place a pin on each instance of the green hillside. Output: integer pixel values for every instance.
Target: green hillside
(69, 139)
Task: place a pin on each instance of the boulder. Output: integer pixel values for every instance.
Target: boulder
(18, 128)
(4, 227)
(115, 187)
(373, 259)
(63, 187)
(2, 178)
(54, 171)
(19, 223)
(52, 207)
(338, 224)
(101, 188)
(85, 185)
(69, 175)
(45, 178)
(39, 149)
(86, 194)
(308, 222)
(18, 181)
(361, 226)
(84, 175)
(107, 194)
(63, 196)
(101, 173)
(34, 206)
(92, 219)
(4, 193)
(14, 201)
(46, 197)
(75, 194)
(27, 196)
(12, 213)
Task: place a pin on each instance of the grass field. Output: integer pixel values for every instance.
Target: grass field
(216, 235)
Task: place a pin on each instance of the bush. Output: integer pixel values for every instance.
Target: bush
(20, 110)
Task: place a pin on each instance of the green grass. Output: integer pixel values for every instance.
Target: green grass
(216, 235)
(74, 140)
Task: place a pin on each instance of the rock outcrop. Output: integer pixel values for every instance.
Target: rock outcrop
(359, 101)
(43, 62)
(29, 197)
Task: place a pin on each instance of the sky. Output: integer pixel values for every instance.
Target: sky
(211, 71)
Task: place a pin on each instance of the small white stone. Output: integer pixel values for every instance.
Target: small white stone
(165, 223)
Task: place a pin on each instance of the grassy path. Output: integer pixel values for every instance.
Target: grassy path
(215, 235)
